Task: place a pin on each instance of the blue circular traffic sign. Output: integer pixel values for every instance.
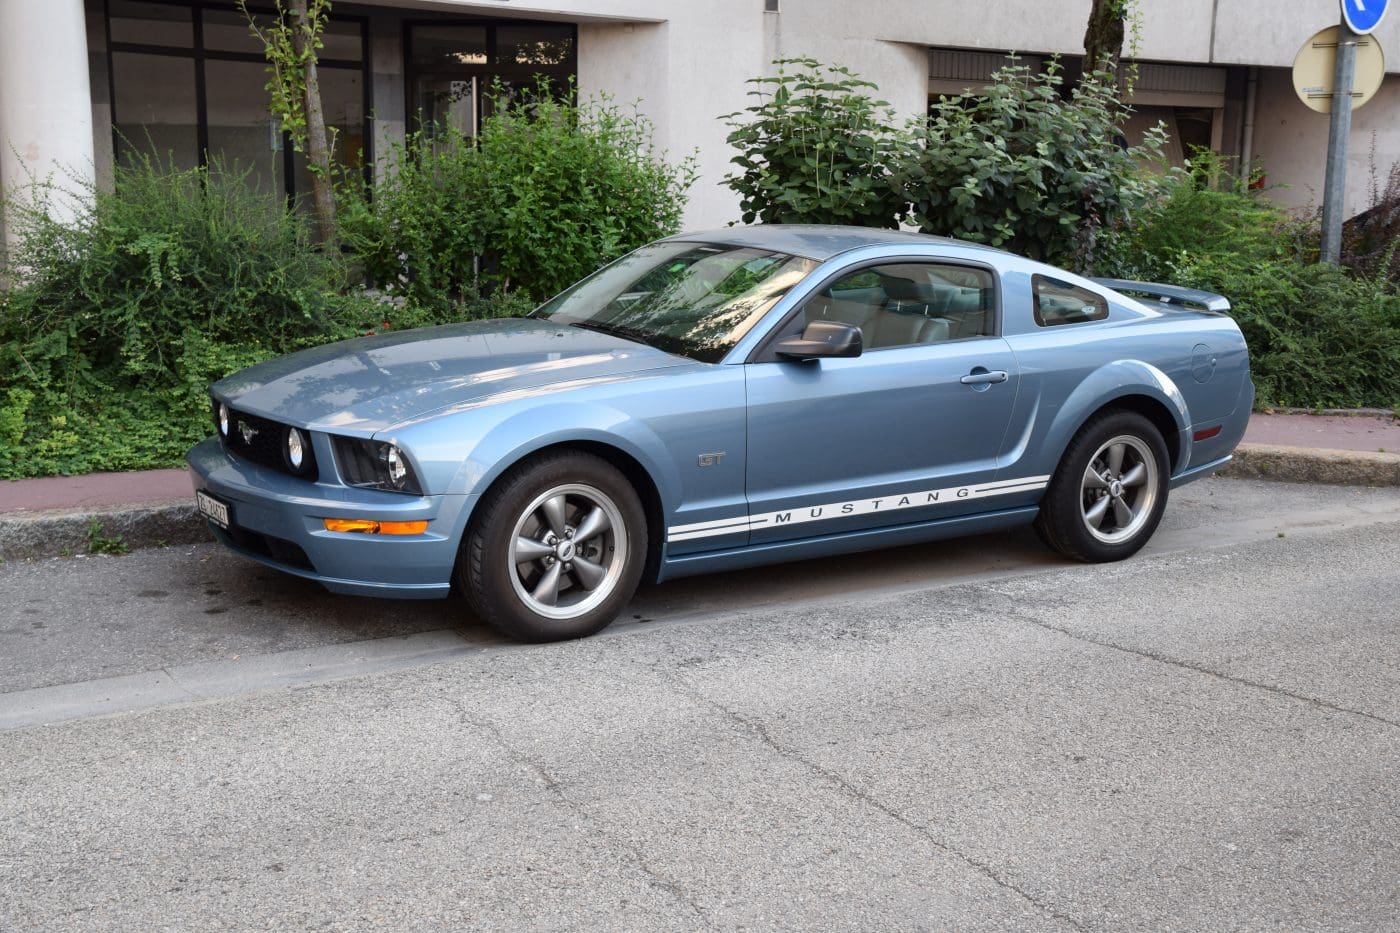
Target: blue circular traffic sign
(1363, 16)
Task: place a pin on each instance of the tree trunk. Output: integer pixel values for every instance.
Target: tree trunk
(1103, 40)
(318, 155)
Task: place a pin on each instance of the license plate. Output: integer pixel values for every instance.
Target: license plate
(212, 509)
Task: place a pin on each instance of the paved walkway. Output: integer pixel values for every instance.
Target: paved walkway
(110, 490)
(1379, 433)
(94, 490)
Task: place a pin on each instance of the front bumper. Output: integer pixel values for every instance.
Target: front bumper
(278, 520)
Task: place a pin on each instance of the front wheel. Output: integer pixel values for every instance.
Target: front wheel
(1109, 493)
(556, 550)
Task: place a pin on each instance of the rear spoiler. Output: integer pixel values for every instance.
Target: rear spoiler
(1169, 294)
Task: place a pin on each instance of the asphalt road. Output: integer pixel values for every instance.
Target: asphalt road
(970, 735)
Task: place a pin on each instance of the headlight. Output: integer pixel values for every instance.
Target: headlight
(394, 464)
(221, 416)
(375, 464)
(296, 450)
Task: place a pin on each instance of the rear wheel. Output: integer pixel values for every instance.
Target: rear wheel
(1109, 493)
(556, 550)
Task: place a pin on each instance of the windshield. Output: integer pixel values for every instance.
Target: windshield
(693, 299)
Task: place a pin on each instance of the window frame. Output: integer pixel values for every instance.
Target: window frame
(1100, 302)
(197, 51)
(764, 352)
(493, 67)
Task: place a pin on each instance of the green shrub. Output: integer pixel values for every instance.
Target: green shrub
(1371, 239)
(549, 191)
(115, 325)
(1024, 168)
(1319, 337)
(816, 149)
(1202, 211)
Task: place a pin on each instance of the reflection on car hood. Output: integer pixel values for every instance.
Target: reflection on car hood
(373, 383)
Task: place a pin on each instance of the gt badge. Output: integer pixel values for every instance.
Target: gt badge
(709, 460)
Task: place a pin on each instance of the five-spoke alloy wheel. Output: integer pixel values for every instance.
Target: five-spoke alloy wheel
(1119, 489)
(1110, 490)
(569, 548)
(556, 548)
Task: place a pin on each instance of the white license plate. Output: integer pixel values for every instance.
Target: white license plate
(212, 509)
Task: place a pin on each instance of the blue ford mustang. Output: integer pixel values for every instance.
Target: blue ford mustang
(722, 400)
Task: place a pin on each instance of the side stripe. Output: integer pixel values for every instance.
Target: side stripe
(832, 510)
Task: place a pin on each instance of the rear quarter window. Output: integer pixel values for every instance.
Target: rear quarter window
(1058, 302)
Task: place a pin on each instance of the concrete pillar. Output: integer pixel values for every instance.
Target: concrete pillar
(386, 78)
(45, 100)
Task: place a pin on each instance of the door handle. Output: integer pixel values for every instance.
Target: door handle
(981, 377)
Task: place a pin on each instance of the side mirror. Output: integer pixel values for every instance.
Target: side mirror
(822, 339)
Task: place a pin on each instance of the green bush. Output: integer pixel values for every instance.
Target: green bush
(816, 149)
(549, 191)
(1022, 167)
(1371, 239)
(1319, 336)
(1202, 211)
(114, 326)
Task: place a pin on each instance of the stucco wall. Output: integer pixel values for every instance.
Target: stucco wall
(1291, 141)
(1258, 32)
(686, 62)
(1250, 32)
(686, 72)
(692, 68)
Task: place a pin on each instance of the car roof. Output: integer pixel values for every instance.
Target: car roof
(819, 241)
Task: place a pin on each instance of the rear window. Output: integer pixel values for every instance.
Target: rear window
(1058, 302)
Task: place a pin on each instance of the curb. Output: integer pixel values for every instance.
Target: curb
(63, 532)
(60, 533)
(1309, 465)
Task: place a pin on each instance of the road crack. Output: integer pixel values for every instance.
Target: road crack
(1202, 669)
(850, 790)
(556, 789)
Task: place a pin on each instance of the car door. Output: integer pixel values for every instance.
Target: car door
(906, 432)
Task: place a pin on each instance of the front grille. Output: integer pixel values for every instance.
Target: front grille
(264, 442)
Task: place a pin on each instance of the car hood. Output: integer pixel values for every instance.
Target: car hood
(371, 384)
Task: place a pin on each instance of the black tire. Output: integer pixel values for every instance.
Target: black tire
(1128, 512)
(511, 593)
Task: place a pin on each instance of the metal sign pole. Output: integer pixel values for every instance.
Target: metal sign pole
(1335, 189)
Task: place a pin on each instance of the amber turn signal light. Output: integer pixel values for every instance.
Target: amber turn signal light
(368, 526)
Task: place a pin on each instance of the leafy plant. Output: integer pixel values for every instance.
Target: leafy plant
(291, 40)
(816, 148)
(550, 190)
(1318, 335)
(1202, 211)
(115, 324)
(99, 543)
(1371, 240)
(1022, 167)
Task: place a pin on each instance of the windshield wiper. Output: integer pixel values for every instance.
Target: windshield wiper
(613, 330)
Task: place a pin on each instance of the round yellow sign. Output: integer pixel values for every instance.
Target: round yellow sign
(1315, 70)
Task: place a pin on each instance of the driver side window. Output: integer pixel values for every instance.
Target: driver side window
(909, 304)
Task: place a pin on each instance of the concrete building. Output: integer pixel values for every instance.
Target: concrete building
(87, 82)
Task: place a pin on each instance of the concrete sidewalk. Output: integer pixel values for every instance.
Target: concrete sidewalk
(94, 491)
(56, 515)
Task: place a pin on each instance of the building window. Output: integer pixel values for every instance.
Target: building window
(453, 67)
(188, 88)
